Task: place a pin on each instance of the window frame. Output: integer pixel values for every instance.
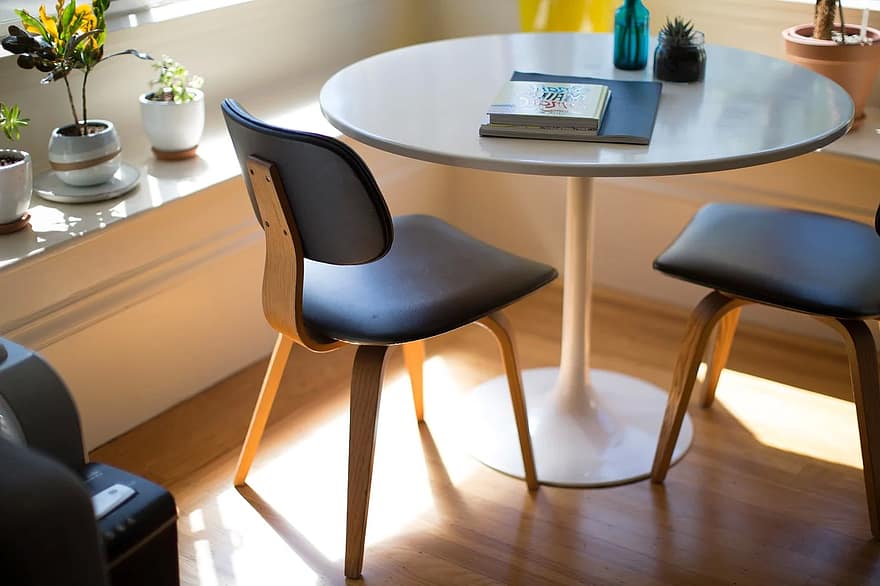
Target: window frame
(121, 14)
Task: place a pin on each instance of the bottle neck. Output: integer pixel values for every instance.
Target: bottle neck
(631, 3)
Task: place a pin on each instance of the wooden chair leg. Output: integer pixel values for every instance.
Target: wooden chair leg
(500, 327)
(862, 351)
(366, 386)
(723, 342)
(271, 380)
(414, 357)
(699, 328)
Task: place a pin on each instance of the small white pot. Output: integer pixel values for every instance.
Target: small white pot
(174, 130)
(85, 160)
(16, 183)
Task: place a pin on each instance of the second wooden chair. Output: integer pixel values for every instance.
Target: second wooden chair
(816, 264)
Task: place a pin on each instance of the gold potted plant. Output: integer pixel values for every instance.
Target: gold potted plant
(847, 53)
(15, 173)
(173, 113)
(86, 152)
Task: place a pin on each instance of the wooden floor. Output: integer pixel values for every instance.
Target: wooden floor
(770, 493)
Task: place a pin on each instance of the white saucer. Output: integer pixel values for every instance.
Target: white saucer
(48, 186)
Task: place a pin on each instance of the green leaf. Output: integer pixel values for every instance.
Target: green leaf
(64, 29)
(29, 21)
(11, 121)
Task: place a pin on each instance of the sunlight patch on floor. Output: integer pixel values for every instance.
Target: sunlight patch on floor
(306, 481)
(289, 525)
(444, 413)
(205, 563)
(793, 419)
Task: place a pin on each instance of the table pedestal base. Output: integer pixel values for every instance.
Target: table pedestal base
(601, 437)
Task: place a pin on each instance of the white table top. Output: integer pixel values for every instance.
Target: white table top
(427, 102)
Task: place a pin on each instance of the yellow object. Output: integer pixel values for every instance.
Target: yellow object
(566, 15)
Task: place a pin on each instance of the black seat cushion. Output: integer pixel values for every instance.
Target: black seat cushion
(798, 260)
(434, 279)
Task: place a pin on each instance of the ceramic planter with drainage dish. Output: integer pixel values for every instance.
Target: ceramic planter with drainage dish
(85, 160)
(174, 130)
(16, 182)
(852, 66)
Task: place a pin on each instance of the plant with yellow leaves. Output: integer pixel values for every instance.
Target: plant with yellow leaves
(72, 38)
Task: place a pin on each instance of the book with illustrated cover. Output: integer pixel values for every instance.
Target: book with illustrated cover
(536, 103)
(548, 132)
(628, 117)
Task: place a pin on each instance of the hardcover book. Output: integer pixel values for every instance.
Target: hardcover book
(536, 103)
(628, 117)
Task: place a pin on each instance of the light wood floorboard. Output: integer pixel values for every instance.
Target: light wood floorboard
(747, 505)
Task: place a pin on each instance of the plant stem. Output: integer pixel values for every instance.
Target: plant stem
(85, 116)
(72, 105)
(842, 26)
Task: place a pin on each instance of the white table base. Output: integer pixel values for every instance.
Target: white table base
(588, 428)
(607, 436)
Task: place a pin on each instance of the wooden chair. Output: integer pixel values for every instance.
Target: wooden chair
(333, 276)
(816, 264)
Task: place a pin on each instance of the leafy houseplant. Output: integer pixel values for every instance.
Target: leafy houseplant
(16, 179)
(11, 121)
(72, 39)
(679, 55)
(173, 113)
(838, 51)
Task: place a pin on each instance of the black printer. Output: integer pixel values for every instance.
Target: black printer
(132, 521)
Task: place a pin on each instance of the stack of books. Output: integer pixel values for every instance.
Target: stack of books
(535, 105)
(533, 109)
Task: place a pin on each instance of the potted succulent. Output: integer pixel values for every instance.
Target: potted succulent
(173, 113)
(86, 152)
(16, 179)
(847, 53)
(679, 55)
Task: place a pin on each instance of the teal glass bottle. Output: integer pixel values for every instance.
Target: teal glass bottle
(631, 35)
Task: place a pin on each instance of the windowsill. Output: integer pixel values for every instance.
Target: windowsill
(862, 143)
(55, 225)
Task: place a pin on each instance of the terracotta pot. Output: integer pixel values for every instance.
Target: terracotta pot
(854, 67)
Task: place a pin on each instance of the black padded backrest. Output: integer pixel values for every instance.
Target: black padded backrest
(877, 221)
(339, 210)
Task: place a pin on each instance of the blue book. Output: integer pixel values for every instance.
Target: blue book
(629, 116)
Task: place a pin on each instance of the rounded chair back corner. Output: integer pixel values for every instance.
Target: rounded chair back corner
(340, 214)
(877, 221)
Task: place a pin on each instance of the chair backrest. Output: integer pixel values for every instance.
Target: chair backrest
(338, 208)
(877, 221)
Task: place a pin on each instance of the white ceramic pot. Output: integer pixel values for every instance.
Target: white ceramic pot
(85, 160)
(174, 130)
(16, 182)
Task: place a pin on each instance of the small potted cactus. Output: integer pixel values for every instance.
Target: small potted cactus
(680, 55)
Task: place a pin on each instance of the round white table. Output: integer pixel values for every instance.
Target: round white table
(588, 427)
